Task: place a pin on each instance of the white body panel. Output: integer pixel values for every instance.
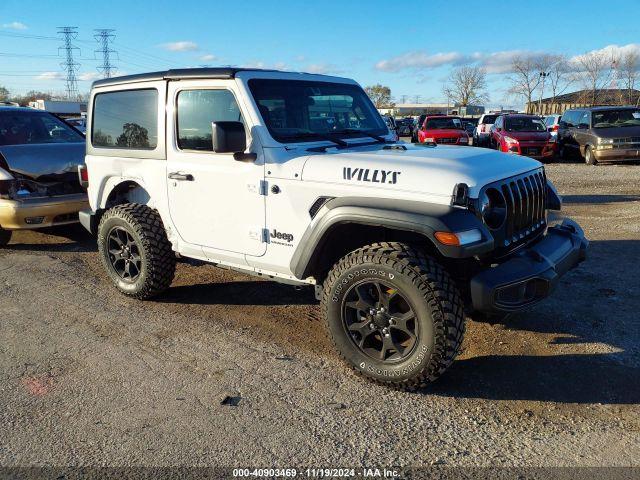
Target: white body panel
(222, 216)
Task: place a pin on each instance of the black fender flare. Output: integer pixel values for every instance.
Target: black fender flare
(417, 217)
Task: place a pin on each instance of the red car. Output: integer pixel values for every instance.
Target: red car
(443, 129)
(524, 135)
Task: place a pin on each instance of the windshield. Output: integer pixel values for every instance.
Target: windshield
(616, 118)
(295, 110)
(443, 123)
(524, 124)
(20, 127)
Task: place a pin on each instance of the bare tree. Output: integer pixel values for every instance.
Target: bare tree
(594, 71)
(380, 95)
(629, 69)
(524, 78)
(466, 85)
(558, 75)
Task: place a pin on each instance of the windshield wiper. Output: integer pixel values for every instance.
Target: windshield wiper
(319, 136)
(363, 132)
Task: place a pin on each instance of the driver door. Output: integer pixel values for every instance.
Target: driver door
(215, 201)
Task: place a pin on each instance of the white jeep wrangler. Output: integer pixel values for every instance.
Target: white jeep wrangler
(296, 178)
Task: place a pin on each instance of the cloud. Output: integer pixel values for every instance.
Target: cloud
(611, 51)
(321, 68)
(50, 76)
(420, 60)
(15, 26)
(89, 76)
(208, 57)
(266, 66)
(182, 46)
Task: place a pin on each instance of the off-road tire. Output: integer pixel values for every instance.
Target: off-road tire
(433, 297)
(158, 259)
(5, 236)
(589, 159)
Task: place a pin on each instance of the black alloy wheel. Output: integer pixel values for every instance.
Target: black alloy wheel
(380, 321)
(124, 254)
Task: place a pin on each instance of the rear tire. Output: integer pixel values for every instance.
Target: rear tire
(422, 331)
(5, 236)
(589, 159)
(135, 251)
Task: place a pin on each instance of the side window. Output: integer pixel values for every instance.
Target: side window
(126, 119)
(584, 119)
(197, 109)
(570, 118)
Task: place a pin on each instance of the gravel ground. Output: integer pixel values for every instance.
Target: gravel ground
(89, 377)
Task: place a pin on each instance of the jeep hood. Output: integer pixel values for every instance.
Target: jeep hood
(44, 161)
(425, 169)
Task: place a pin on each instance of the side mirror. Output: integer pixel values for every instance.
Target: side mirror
(562, 124)
(498, 129)
(583, 126)
(230, 137)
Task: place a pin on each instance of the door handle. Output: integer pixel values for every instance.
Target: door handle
(181, 176)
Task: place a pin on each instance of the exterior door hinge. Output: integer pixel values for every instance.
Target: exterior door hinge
(265, 235)
(264, 185)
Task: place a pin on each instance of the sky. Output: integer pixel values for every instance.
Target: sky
(409, 46)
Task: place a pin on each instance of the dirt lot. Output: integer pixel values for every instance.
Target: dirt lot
(89, 377)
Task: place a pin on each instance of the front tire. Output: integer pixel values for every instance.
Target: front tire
(135, 251)
(393, 314)
(589, 159)
(5, 236)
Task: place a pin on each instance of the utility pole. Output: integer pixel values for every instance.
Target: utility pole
(69, 65)
(104, 36)
(543, 75)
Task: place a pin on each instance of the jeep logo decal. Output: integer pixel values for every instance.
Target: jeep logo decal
(368, 175)
(282, 236)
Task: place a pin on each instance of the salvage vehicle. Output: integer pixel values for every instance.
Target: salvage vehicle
(523, 134)
(39, 159)
(400, 241)
(443, 129)
(600, 134)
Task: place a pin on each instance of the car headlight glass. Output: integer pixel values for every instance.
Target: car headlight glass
(493, 208)
(510, 140)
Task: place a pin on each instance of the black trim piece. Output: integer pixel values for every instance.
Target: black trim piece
(418, 217)
(317, 205)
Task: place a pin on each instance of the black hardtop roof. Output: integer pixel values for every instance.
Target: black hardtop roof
(178, 74)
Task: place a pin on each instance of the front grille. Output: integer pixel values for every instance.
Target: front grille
(526, 199)
(447, 140)
(532, 151)
(525, 202)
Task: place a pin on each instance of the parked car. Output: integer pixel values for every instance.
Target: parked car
(391, 125)
(405, 126)
(39, 159)
(416, 126)
(600, 134)
(80, 123)
(482, 134)
(443, 129)
(382, 230)
(552, 123)
(523, 135)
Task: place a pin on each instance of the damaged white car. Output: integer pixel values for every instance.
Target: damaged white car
(39, 159)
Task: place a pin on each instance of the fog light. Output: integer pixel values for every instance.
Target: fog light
(33, 220)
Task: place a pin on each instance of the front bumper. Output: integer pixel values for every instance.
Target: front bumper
(531, 274)
(41, 212)
(617, 154)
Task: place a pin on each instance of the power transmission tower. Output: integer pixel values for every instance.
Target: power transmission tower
(69, 65)
(103, 36)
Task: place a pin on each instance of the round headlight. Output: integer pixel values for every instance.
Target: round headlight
(493, 208)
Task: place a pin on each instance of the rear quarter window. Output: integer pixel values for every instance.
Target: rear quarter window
(126, 119)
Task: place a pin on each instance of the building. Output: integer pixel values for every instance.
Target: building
(62, 108)
(415, 109)
(584, 98)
